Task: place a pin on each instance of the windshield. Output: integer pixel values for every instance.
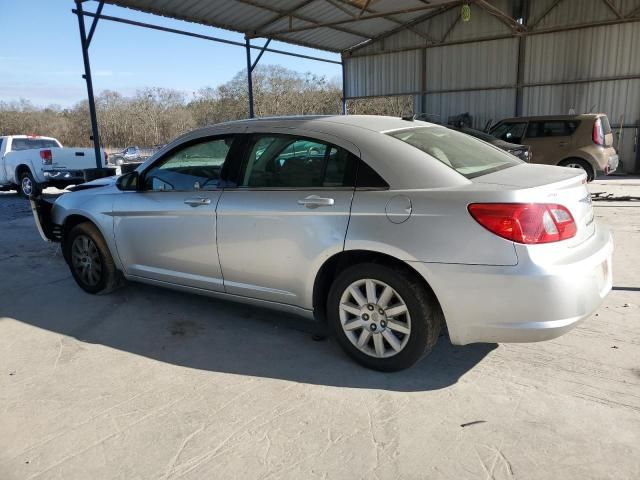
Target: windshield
(463, 153)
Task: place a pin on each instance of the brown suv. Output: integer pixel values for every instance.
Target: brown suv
(578, 141)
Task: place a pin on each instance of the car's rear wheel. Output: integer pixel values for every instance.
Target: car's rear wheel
(28, 185)
(90, 261)
(581, 164)
(383, 317)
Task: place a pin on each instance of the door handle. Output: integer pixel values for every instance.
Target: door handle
(197, 201)
(314, 201)
(563, 144)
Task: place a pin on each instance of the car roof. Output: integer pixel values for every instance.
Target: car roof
(582, 116)
(400, 164)
(376, 123)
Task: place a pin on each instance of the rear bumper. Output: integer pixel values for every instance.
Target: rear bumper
(528, 302)
(63, 178)
(612, 165)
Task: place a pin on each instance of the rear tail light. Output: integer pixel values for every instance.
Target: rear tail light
(105, 158)
(46, 157)
(529, 223)
(598, 132)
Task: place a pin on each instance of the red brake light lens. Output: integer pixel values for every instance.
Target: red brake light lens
(598, 133)
(46, 157)
(106, 156)
(528, 223)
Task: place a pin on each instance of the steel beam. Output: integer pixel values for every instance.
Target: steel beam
(259, 32)
(545, 13)
(249, 76)
(203, 37)
(361, 19)
(404, 26)
(613, 8)
(94, 24)
(89, 81)
(262, 50)
(522, 45)
(344, 88)
(527, 33)
(507, 87)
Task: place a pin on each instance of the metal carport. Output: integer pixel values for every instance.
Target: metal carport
(505, 58)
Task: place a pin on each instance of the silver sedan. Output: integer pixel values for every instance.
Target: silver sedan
(388, 229)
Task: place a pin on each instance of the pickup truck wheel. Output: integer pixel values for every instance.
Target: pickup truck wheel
(28, 185)
(383, 317)
(90, 261)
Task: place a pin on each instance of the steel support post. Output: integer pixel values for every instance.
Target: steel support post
(249, 76)
(87, 77)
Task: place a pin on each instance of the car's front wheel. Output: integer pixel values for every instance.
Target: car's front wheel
(89, 260)
(383, 317)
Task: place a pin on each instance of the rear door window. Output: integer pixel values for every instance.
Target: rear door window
(32, 143)
(551, 129)
(285, 161)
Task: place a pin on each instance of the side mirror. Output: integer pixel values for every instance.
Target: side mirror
(128, 182)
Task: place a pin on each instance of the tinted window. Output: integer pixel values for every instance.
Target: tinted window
(551, 129)
(463, 153)
(369, 178)
(194, 167)
(509, 132)
(1, 140)
(287, 161)
(32, 143)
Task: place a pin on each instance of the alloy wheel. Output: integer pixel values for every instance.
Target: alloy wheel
(26, 185)
(86, 260)
(375, 318)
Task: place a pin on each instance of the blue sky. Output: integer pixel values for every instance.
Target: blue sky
(41, 59)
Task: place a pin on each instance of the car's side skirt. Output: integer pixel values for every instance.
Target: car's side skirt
(282, 307)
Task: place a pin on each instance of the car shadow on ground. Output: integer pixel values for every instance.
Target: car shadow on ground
(190, 330)
(215, 335)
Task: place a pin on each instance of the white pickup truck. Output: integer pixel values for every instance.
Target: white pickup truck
(30, 163)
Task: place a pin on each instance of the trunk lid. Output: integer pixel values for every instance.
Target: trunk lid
(548, 184)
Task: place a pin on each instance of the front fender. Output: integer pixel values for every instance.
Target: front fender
(95, 207)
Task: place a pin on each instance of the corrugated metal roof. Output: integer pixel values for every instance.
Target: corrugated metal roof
(301, 22)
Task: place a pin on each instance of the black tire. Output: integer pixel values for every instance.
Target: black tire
(90, 261)
(424, 312)
(26, 179)
(579, 163)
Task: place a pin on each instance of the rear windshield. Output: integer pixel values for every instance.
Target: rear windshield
(478, 134)
(31, 143)
(463, 153)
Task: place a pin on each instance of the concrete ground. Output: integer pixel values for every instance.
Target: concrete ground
(150, 383)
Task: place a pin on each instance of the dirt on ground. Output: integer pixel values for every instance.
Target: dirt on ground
(151, 383)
